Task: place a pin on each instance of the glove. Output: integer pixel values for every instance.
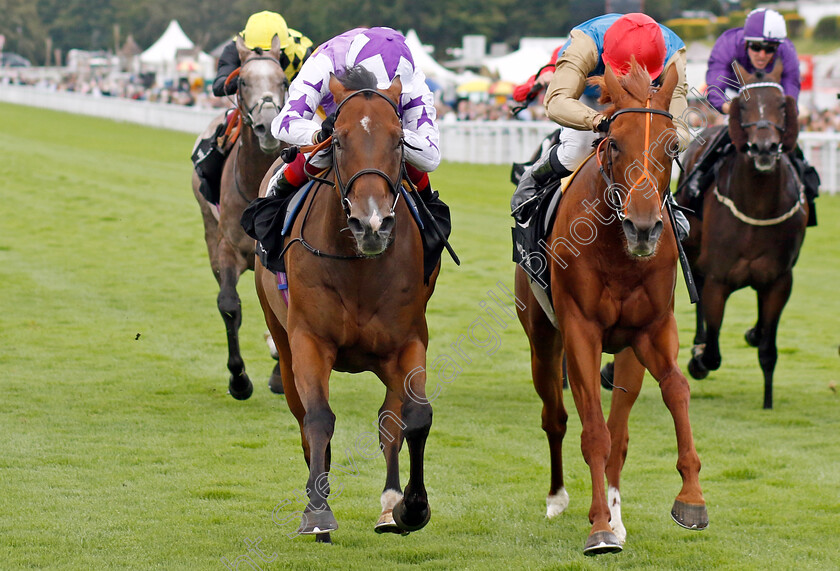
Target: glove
(289, 154)
(603, 126)
(327, 128)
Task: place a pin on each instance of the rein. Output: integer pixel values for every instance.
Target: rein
(343, 188)
(645, 176)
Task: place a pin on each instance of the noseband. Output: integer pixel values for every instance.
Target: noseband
(645, 176)
(344, 188)
(762, 123)
(247, 116)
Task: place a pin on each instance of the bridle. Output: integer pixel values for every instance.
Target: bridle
(246, 112)
(344, 188)
(762, 123)
(645, 177)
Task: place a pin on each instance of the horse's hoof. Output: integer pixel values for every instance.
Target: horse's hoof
(318, 523)
(241, 390)
(607, 375)
(323, 538)
(408, 523)
(752, 337)
(696, 369)
(386, 524)
(690, 516)
(602, 542)
(275, 382)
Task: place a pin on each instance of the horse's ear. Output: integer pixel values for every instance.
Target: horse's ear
(275, 47)
(776, 74)
(791, 125)
(395, 90)
(741, 74)
(736, 132)
(662, 98)
(243, 50)
(611, 83)
(339, 92)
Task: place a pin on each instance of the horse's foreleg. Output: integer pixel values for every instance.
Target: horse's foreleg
(312, 362)
(412, 512)
(629, 374)
(658, 352)
(771, 302)
(583, 357)
(546, 371)
(239, 385)
(714, 298)
(390, 427)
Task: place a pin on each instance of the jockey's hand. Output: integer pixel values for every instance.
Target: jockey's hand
(289, 154)
(327, 128)
(603, 126)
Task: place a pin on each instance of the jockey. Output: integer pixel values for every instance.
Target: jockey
(756, 47)
(606, 40)
(260, 30)
(258, 33)
(382, 51)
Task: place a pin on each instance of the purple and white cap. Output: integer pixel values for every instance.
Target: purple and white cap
(383, 52)
(765, 25)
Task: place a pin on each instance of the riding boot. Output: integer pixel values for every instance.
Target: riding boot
(209, 162)
(810, 181)
(703, 173)
(545, 170)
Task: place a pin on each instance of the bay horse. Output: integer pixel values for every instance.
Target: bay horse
(261, 95)
(753, 224)
(613, 273)
(356, 302)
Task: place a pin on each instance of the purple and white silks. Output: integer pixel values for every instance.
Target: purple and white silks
(382, 51)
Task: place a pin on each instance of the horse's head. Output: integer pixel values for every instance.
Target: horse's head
(262, 90)
(637, 152)
(762, 120)
(368, 154)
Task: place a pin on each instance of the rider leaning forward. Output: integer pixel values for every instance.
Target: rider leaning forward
(756, 47)
(259, 31)
(383, 52)
(611, 40)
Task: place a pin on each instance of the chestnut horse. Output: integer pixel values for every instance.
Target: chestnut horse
(613, 274)
(261, 95)
(357, 302)
(753, 224)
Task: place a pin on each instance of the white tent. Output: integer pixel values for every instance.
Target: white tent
(518, 66)
(425, 62)
(162, 55)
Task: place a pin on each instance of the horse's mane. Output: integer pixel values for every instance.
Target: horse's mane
(356, 78)
(636, 82)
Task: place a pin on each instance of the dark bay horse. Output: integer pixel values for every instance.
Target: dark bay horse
(261, 95)
(357, 302)
(753, 225)
(613, 272)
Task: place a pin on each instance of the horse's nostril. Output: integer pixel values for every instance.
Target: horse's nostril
(629, 228)
(387, 224)
(355, 225)
(259, 130)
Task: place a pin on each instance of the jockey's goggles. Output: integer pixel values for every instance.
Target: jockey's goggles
(766, 47)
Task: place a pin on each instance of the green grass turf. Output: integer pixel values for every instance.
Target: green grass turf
(121, 451)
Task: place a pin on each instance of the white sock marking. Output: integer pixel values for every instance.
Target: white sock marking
(557, 503)
(614, 501)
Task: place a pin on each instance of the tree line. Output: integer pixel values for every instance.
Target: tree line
(32, 28)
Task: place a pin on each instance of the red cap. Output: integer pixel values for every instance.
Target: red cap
(637, 35)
